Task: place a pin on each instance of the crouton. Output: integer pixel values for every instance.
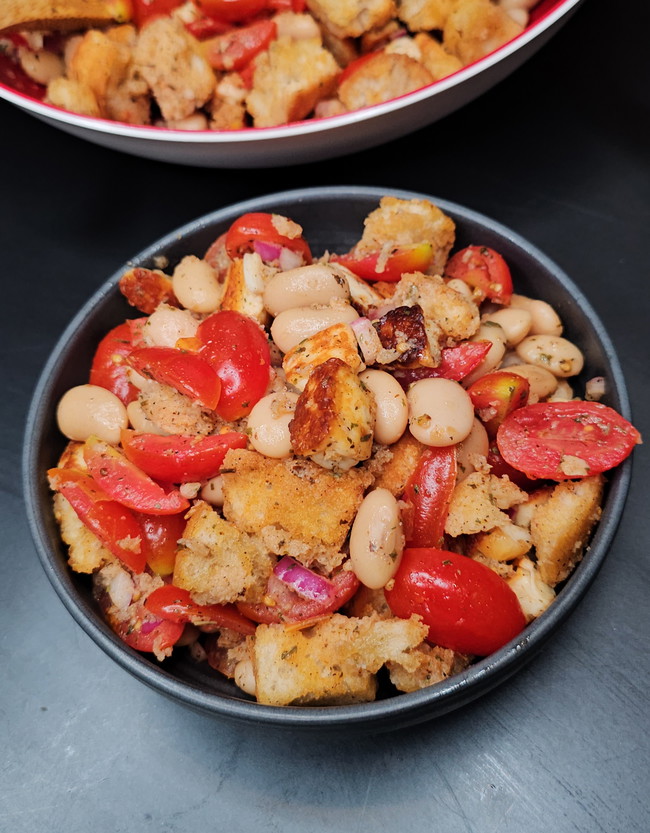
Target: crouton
(227, 115)
(100, 63)
(174, 412)
(382, 77)
(434, 664)
(477, 501)
(334, 418)
(399, 222)
(335, 342)
(65, 15)
(72, 96)
(290, 78)
(561, 525)
(331, 663)
(406, 453)
(299, 498)
(86, 553)
(170, 62)
(474, 28)
(424, 15)
(351, 18)
(435, 57)
(218, 563)
(244, 287)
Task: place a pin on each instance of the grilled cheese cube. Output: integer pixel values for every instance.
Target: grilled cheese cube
(399, 222)
(351, 18)
(331, 663)
(244, 287)
(334, 418)
(218, 563)
(534, 594)
(477, 501)
(335, 342)
(474, 28)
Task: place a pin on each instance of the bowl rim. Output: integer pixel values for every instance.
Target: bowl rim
(300, 128)
(405, 708)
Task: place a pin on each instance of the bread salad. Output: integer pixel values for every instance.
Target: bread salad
(304, 470)
(233, 64)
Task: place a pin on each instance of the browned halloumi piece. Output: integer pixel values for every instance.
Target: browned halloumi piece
(244, 287)
(394, 475)
(335, 342)
(352, 18)
(474, 28)
(218, 563)
(457, 316)
(331, 663)
(477, 502)
(334, 419)
(16, 15)
(561, 525)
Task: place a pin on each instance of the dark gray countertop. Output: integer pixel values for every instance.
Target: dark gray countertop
(558, 152)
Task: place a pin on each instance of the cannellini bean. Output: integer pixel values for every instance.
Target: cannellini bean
(563, 392)
(140, 421)
(268, 424)
(304, 287)
(461, 287)
(196, 285)
(557, 354)
(167, 324)
(292, 326)
(212, 491)
(197, 121)
(541, 381)
(376, 539)
(488, 332)
(515, 323)
(440, 412)
(244, 675)
(41, 65)
(476, 443)
(87, 410)
(545, 321)
(392, 408)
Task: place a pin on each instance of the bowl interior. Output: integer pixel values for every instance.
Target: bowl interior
(332, 219)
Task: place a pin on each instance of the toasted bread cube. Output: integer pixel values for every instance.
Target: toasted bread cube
(334, 418)
(399, 222)
(86, 553)
(72, 96)
(335, 342)
(474, 28)
(244, 287)
(351, 18)
(477, 501)
(435, 57)
(290, 78)
(434, 664)
(217, 562)
(561, 526)
(169, 60)
(331, 663)
(382, 77)
(174, 412)
(100, 63)
(394, 475)
(17, 15)
(424, 15)
(456, 316)
(299, 497)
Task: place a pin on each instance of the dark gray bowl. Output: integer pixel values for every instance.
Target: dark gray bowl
(332, 219)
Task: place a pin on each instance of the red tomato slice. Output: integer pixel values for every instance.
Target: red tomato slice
(258, 227)
(186, 372)
(376, 267)
(179, 458)
(109, 368)
(296, 6)
(146, 10)
(147, 634)
(497, 394)
(127, 484)
(233, 11)
(238, 350)
(484, 270)
(467, 606)
(207, 27)
(353, 66)
(456, 363)
(160, 536)
(427, 494)
(114, 525)
(291, 608)
(562, 440)
(499, 468)
(175, 604)
(233, 50)
(12, 75)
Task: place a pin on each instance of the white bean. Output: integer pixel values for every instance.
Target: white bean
(41, 65)
(495, 334)
(268, 424)
(461, 287)
(291, 326)
(554, 353)
(440, 412)
(140, 421)
(212, 491)
(392, 408)
(563, 392)
(545, 321)
(304, 287)
(87, 410)
(197, 121)
(196, 285)
(541, 381)
(167, 324)
(376, 539)
(475, 444)
(515, 323)
(244, 676)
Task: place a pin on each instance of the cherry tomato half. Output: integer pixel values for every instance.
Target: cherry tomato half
(262, 228)
(233, 50)
(427, 495)
(141, 630)
(179, 458)
(496, 395)
(467, 606)
(109, 368)
(160, 536)
(555, 440)
(456, 363)
(127, 484)
(377, 267)
(146, 10)
(187, 373)
(484, 270)
(238, 350)
(12, 75)
(176, 604)
(234, 11)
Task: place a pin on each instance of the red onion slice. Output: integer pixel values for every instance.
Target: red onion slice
(150, 625)
(267, 251)
(305, 582)
(367, 339)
